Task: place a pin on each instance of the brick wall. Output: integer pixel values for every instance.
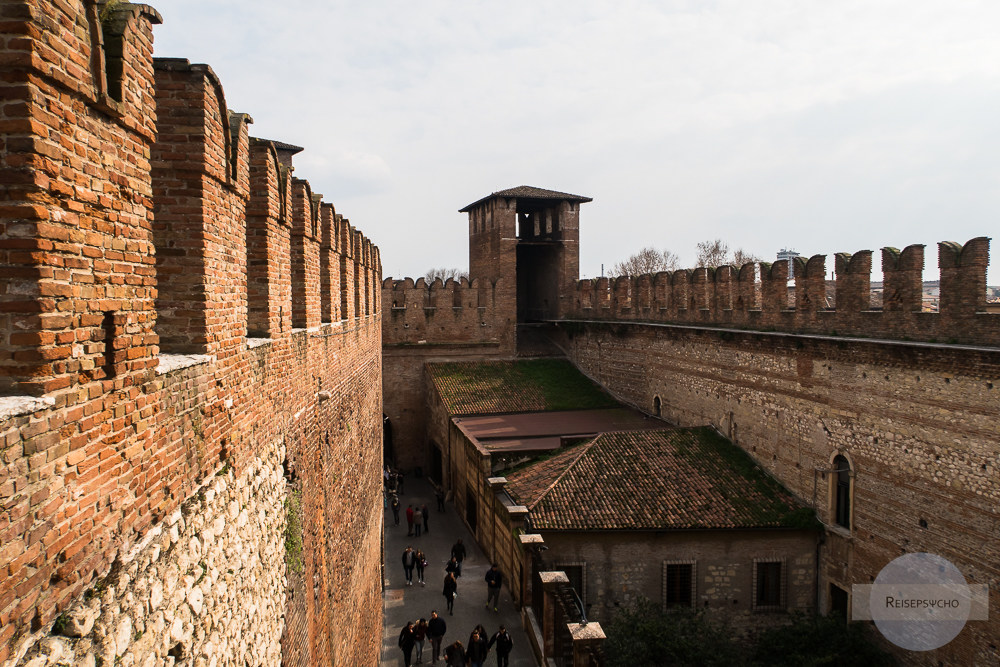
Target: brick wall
(443, 321)
(917, 422)
(110, 444)
(756, 297)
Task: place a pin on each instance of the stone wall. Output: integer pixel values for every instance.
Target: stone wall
(137, 414)
(916, 421)
(206, 584)
(619, 568)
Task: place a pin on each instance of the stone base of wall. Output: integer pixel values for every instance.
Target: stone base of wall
(206, 587)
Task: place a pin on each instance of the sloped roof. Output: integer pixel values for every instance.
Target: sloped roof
(527, 192)
(654, 480)
(492, 387)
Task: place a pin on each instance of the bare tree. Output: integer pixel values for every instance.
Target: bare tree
(716, 253)
(444, 274)
(647, 260)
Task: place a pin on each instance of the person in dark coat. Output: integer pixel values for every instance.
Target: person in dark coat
(409, 520)
(452, 566)
(480, 630)
(394, 504)
(406, 642)
(504, 644)
(419, 633)
(439, 494)
(458, 553)
(436, 627)
(454, 655)
(421, 564)
(450, 591)
(426, 513)
(494, 580)
(409, 562)
(477, 651)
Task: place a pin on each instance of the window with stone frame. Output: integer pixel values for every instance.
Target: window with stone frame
(768, 584)
(680, 585)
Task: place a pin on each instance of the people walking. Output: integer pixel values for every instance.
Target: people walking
(418, 520)
(458, 553)
(494, 581)
(504, 644)
(480, 630)
(409, 561)
(419, 632)
(409, 520)
(436, 627)
(421, 561)
(426, 514)
(406, 642)
(477, 651)
(439, 494)
(452, 566)
(454, 655)
(450, 591)
(394, 504)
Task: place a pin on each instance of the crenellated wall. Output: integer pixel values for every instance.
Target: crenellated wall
(190, 364)
(445, 312)
(442, 321)
(757, 296)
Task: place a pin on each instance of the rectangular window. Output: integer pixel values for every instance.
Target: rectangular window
(679, 584)
(769, 585)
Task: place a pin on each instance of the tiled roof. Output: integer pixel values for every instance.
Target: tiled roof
(527, 192)
(493, 387)
(672, 479)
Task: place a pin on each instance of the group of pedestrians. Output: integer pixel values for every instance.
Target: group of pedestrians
(414, 560)
(413, 635)
(416, 634)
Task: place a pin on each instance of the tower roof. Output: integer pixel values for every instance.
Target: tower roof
(527, 192)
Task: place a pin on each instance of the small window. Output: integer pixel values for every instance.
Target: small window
(842, 492)
(656, 406)
(678, 584)
(769, 586)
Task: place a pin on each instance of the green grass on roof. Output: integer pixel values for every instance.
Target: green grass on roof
(516, 386)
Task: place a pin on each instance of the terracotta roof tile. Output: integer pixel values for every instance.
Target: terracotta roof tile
(527, 192)
(672, 479)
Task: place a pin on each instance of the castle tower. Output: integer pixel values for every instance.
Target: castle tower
(529, 238)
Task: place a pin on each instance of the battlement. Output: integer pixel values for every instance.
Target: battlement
(453, 311)
(99, 283)
(180, 307)
(756, 296)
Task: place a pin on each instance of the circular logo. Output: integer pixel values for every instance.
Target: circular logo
(920, 601)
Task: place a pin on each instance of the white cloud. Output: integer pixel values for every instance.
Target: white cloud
(824, 126)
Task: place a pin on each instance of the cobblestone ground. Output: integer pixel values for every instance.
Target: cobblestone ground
(404, 603)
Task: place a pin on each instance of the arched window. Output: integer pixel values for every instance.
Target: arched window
(842, 492)
(656, 406)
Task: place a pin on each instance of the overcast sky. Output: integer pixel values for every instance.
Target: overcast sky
(815, 125)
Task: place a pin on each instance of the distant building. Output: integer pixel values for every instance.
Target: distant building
(789, 255)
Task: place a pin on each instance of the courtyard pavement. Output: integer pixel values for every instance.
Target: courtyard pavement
(403, 603)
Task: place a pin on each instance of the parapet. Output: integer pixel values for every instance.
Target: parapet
(448, 312)
(758, 296)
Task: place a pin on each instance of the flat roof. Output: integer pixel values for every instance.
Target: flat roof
(541, 431)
